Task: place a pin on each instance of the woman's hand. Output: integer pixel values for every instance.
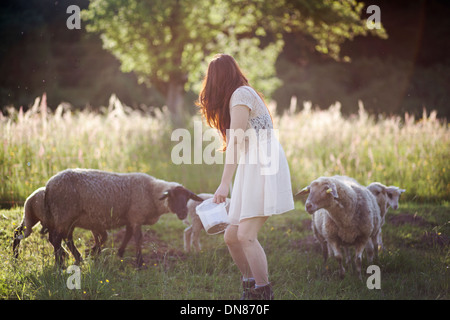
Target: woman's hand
(221, 193)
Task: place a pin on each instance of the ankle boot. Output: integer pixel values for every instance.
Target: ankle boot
(247, 285)
(261, 293)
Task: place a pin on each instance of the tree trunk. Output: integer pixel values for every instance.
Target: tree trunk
(174, 100)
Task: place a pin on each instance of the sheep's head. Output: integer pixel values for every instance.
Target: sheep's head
(388, 196)
(321, 193)
(177, 198)
(393, 195)
(380, 193)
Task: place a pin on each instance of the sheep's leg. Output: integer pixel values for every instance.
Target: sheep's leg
(375, 246)
(358, 254)
(323, 244)
(195, 237)
(380, 241)
(350, 260)
(370, 250)
(325, 248)
(329, 250)
(17, 237)
(138, 240)
(100, 238)
(338, 255)
(187, 239)
(72, 248)
(346, 255)
(128, 234)
(55, 239)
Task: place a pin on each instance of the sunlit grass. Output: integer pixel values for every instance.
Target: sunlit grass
(400, 151)
(409, 153)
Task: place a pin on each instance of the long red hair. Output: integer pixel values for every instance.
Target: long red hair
(223, 77)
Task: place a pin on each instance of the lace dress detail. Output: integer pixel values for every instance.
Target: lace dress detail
(259, 117)
(260, 122)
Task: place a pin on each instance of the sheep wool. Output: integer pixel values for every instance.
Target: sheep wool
(34, 212)
(99, 200)
(344, 214)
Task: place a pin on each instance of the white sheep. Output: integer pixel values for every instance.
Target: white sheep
(318, 229)
(386, 197)
(195, 226)
(98, 201)
(394, 194)
(317, 225)
(351, 217)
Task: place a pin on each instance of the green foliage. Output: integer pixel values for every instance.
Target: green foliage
(166, 41)
(328, 22)
(170, 41)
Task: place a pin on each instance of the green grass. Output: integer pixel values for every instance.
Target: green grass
(400, 151)
(411, 268)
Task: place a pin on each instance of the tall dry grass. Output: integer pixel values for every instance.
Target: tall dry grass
(395, 150)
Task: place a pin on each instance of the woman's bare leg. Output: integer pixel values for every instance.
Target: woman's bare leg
(236, 252)
(256, 257)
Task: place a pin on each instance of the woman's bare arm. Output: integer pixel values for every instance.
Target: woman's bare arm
(239, 118)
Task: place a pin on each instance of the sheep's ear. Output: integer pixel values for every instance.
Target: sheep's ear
(195, 197)
(384, 189)
(305, 190)
(333, 191)
(395, 189)
(192, 195)
(165, 195)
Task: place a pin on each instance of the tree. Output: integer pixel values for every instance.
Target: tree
(167, 42)
(327, 23)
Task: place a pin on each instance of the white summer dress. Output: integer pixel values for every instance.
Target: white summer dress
(262, 185)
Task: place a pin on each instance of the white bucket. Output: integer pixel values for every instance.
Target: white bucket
(214, 216)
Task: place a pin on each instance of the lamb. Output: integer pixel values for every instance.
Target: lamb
(98, 201)
(394, 194)
(346, 214)
(386, 197)
(192, 232)
(34, 212)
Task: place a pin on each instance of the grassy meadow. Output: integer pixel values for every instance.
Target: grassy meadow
(410, 153)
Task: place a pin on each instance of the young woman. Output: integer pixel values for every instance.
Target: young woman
(262, 184)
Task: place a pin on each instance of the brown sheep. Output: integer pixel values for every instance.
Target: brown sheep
(98, 201)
